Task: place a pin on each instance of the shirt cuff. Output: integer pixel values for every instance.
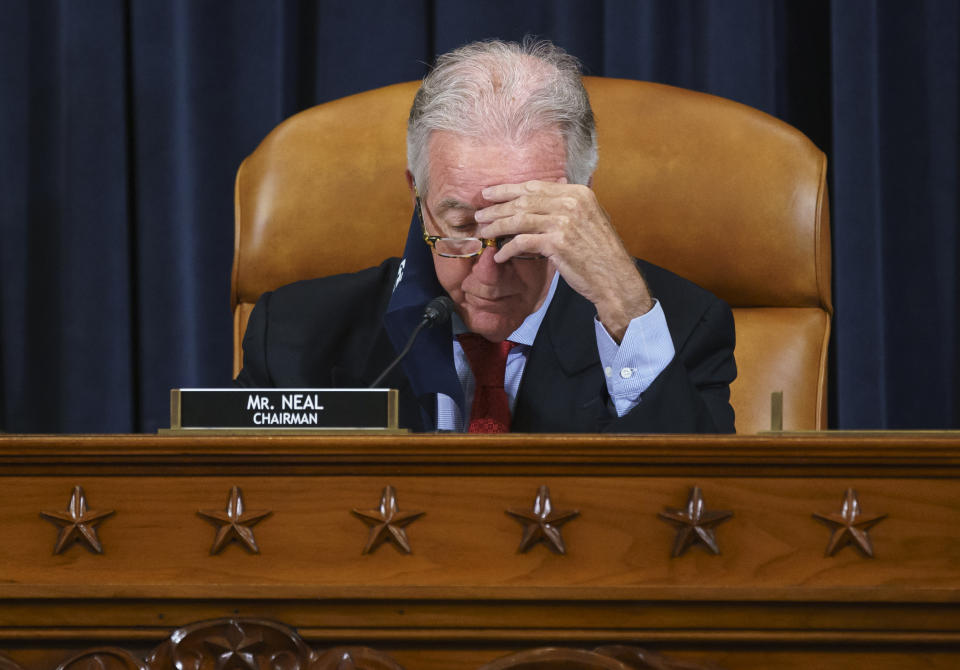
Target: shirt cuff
(631, 366)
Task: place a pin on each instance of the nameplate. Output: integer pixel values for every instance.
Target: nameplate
(283, 409)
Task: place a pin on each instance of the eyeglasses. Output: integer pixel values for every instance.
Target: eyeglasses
(464, 247)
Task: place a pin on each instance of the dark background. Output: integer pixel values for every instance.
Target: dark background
(122, 125)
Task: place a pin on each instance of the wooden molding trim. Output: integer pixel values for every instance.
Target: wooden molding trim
(255, 644)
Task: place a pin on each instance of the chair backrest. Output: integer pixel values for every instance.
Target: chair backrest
(713, 190)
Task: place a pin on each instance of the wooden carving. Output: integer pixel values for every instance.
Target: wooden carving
(850, 526)
(555, 659)
(617, 657)
(695, 525)
(354, 658)
(77, 523)
(387, 522)
(235, 523)
(542, 524)
(103, 658)
(6, 663)
(233, 644)
(257, 644)
(641, 659)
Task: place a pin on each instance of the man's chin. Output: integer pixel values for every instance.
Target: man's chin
(491, 325)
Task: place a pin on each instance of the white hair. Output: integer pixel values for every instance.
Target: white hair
(504, 91)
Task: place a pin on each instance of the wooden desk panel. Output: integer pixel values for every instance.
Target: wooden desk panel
(465, 595)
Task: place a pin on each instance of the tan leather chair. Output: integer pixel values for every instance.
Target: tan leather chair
(718, 192)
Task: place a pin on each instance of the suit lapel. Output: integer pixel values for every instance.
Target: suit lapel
(563, 389)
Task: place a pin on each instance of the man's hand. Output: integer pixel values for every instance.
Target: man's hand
(565, 223)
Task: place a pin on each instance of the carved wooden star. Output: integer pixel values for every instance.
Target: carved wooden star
(695, 525)
(387, 522)
(849, 527)
(77, 524)
(235, 523)
(235, 649)
(542, 524)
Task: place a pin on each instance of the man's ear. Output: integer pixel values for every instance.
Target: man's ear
(412, 186)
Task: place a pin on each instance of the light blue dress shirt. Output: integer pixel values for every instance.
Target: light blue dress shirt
(629, 367)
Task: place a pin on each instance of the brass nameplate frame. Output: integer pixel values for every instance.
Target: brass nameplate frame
(283, 410)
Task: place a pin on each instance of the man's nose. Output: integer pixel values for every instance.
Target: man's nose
(486, 269)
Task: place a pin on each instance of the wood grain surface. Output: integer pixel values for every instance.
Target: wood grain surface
(772, 597)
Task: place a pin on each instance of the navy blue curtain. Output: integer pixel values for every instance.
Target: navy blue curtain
(122, 124)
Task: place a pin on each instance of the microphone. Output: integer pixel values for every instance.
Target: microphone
(436, 313)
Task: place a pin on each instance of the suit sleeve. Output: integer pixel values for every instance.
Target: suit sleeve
(255, 373)
(692, 394)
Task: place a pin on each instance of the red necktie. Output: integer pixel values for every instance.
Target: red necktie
(488, 360)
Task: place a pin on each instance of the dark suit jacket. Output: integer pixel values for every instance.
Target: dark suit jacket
(329, 332)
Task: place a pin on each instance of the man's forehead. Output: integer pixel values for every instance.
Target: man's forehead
(461, 165)
(447, 141)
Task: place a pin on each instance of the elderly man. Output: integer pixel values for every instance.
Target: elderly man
(556, 328)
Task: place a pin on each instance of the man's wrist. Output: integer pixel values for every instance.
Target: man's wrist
(629, 302)
(631, 365)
